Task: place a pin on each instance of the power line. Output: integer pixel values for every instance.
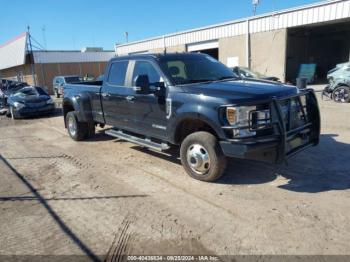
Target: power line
(42, 47)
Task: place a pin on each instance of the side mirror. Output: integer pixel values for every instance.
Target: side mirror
(142, 84)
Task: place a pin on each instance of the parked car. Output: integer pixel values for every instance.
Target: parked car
(29, 101)
(60, 81)
(6, 88)
(194, 101)
(249, 74)
(339, 83)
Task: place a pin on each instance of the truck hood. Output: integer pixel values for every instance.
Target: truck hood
(243, 90)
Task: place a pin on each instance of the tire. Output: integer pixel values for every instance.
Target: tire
(202, 157)
(57, 94)
(90, 130)
(341, 94)
(76, 130)
(11, 112)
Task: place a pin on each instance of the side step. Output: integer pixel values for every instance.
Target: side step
(137, 140)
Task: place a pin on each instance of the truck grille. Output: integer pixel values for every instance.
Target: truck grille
(294, 112)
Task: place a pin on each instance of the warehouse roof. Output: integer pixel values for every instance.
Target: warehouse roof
(308, 14)
(45, 57)
(13, 52)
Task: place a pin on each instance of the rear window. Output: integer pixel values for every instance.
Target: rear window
(73, 79)
(117, 73)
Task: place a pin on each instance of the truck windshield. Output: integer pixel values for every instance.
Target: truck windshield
(195, 68)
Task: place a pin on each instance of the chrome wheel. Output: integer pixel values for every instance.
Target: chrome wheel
(198, 159)
(341, 95)
(72, 126)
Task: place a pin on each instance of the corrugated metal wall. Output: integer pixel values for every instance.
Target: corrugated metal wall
(317, 13)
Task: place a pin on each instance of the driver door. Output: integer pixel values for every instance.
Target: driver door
(149, 110)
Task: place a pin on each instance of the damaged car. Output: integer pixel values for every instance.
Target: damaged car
(6, 88)
(338, 87)
(247, 73)
(29, 101)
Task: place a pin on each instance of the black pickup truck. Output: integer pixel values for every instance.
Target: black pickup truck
(195, 102)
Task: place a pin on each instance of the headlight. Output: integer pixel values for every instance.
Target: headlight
(247, 119)
(50, 101)
(18, 105)
(239, 116)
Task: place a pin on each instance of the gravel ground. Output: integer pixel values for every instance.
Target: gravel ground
(105, 196)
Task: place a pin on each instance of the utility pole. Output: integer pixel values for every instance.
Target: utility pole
(43, 29)
(255, 5)
(31, 55)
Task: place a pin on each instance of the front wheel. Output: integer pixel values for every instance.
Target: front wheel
(341, 94)
(202, 157)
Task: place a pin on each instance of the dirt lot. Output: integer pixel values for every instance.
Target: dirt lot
(106, 196)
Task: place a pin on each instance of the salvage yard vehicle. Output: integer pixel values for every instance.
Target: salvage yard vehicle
(338, 88)
(6, 88)
(248, 73)
(60, 81)
(194, 101)
(29, 101)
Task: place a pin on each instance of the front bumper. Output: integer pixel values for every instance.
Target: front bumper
(285, 139)
(33, 111)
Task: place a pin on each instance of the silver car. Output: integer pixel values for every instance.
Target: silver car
(339, 83)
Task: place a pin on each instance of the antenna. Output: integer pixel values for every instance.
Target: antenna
(43, 29)
(255, 5)
(127, 37)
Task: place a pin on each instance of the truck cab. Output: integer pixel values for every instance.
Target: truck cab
(195, 102)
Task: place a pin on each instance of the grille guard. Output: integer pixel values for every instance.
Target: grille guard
(282, 134)
(311, 129)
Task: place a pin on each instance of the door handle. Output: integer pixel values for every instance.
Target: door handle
(106, 95)
(130, 98)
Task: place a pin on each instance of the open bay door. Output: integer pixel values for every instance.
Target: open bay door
(210, 47)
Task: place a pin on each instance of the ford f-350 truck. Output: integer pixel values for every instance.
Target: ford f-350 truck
(195, 102)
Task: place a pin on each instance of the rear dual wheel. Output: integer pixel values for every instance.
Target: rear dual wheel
(78, 130)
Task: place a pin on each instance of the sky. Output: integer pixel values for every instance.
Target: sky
(74, 24)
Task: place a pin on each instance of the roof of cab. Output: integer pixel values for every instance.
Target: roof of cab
(154, 56)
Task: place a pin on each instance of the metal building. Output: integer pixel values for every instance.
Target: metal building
(18, 62)
(274, 43)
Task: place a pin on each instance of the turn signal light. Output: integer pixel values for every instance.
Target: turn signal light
(231, 115)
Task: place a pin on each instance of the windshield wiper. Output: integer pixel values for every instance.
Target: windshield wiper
(193, 81)
(227, 78)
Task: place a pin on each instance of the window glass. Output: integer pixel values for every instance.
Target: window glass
(117, 73)
(194, 68)
(27, 91)
(73, 79)
(145, 68)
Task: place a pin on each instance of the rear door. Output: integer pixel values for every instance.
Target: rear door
(149, 110)
(114, 95)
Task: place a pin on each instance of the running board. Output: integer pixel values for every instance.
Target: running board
(137, 140)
